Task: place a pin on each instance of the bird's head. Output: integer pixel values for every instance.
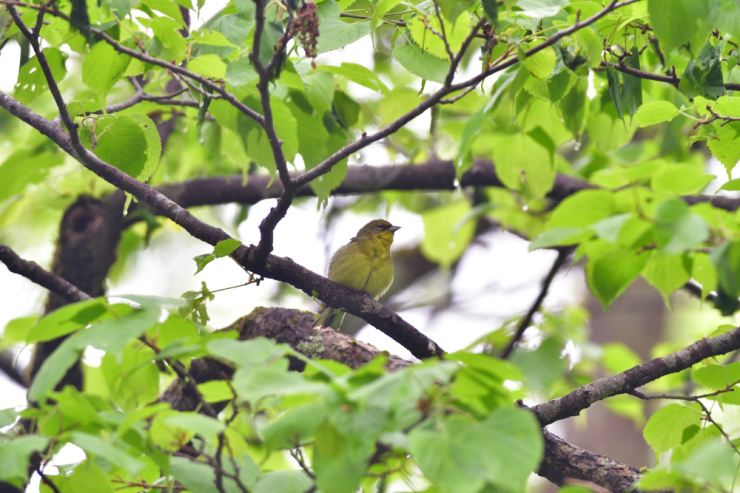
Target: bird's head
(379, 228)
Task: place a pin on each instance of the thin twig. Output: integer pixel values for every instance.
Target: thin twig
(527, 320)
(646, 397)
(45, 479)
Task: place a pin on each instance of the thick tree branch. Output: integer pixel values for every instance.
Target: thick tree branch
(35, 273)
(622, 383)
(281, 269)
(563, 461)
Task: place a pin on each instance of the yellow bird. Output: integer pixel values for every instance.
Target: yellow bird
(363, 264)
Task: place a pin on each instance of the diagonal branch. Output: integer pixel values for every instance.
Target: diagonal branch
(622, 383)
(35, 273)
(278, 268)
(365, 140)
(527, 320)
(276, 214)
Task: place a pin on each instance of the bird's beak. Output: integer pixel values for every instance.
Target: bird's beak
(393, 229)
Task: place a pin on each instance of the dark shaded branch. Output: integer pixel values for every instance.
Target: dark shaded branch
(281, 269)
(563, 461)
(622, 383)
(527, 320)
(35, 273)
(286, 326)
(668, 79)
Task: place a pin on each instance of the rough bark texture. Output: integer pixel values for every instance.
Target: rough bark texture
(88, 241)
(573, 403)
(286, 326)
(564, 461)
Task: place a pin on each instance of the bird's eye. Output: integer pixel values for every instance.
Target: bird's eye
(380, 226)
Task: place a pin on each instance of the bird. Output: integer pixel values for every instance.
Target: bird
(363, 264)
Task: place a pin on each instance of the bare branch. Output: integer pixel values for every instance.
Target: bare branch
(527, 320)
(622, 383)
(35, 273)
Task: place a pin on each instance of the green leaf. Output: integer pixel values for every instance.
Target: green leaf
(523, 163)
(421, 63)
(96, 446)
(704, 272)
(335, 33)
(725, 144)
(665, 429)
(153, 145)
(124, 145)
(240, 72)
(470, 132)
(420, 28)
(298, 425)
(103, 67)
(339, 460)
(249, 353)
(357, 74)
(202, 260)
(703, 75)
(541, 64)
(252, 384)
(681, 179)
(631, 85)
(212, 38)
(168, 8)
(668, 273)
(445, 239)
(615, 91)
(195, 476)
(15, 455)
(226, 247)
(134, 380)
(673, 21)
(718, 377)
(198, 424)
(655, 112)
(609, 275)
(167, 32)
(451, 9)
(382, 7)
(677, 228)
(560, 237)
(31, 80)
(208, 66)
(67, 319)
(85, 477)
(490, 7)
(320, 91)
(23, 168)
(726, 258)
(583, 209)
(502, 450)
(17, 331)
(283, 481)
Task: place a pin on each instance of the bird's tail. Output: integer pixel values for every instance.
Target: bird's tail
(329, 317)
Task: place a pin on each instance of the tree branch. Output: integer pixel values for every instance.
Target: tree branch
(527, 320)
(280, 269)
(622, 383)
(35, 273)
(563, 461)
